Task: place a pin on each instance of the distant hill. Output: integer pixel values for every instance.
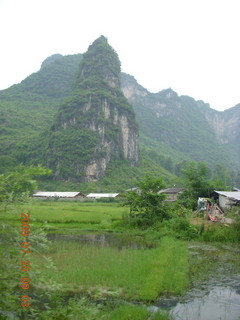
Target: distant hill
(188, 126)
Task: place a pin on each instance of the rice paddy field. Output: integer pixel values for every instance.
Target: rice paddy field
(125, 269)
(105, 269)
(133, 272)
(70, 215)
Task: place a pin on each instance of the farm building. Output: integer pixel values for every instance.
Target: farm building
(47, 195)
(136, 189)
(102, 195)
(172, 193)
(227, 199)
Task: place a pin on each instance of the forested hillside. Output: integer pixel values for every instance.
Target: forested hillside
(178, 122)
(29, 107)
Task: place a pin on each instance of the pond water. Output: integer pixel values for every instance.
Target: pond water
(218, 303)
(106, 240)
(215, 298)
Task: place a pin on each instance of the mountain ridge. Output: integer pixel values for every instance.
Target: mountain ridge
(177, 127)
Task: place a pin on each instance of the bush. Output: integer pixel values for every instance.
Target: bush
(182, 228)
(221, 233)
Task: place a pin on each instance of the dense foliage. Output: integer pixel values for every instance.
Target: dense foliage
(146, 203)
(69, 151)
(100, 61)
(20, 182)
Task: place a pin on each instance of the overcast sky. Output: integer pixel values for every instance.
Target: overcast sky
(191, 46)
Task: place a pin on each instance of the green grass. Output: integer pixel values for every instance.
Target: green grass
(70, 215)
(67, 212)
(135, 274)
(83, 309)
(133, 312)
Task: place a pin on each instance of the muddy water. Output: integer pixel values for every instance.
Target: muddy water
(216, 295)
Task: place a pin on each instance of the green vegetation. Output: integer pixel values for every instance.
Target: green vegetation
(74, 148)
(221, 233)
(28, 108)
(178, 123)
(130, 265)
(19, 183)
(146, 204)
(133, 312)
(75, 215)
(83, 309)
(141, 274)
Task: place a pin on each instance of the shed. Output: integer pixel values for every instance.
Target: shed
(227, 199)
(135, 189)
(172, 193)
(44, 195)
(102, 195)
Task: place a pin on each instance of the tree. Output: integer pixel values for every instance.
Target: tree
(197, 183)
(147, 204)
(221, 175)
(197, 179)
(15, 185)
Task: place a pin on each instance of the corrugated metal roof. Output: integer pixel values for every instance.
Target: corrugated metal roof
(171, 190)
(230, 194)
(102, 195)
(53, 194)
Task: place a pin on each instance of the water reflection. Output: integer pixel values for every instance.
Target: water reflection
(219, 304)
(105, 240)
(215, 298)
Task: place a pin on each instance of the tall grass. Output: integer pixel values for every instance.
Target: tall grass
(141, 274)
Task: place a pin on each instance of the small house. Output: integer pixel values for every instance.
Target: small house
(172, 193)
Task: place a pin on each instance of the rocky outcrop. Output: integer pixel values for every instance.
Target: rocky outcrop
(224, 123)
(97, 116)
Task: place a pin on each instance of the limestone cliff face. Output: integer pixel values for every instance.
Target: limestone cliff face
(131, 88)
(96, 124)
(225, 123)
(122, 144)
